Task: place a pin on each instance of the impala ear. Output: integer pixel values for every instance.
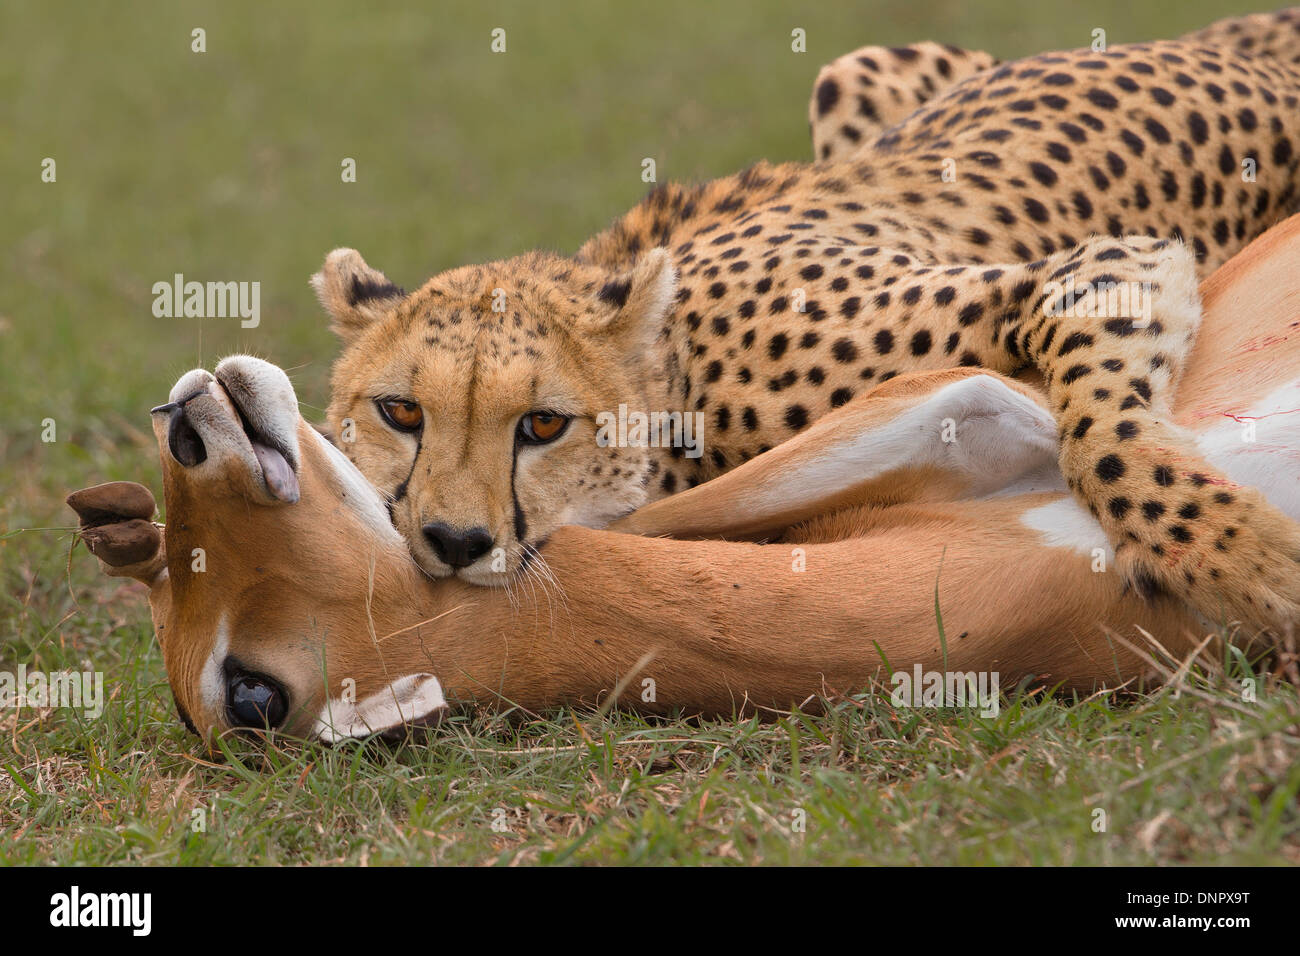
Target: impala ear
(352, 293)
(633, 305)
(115, 524)
(405, 705)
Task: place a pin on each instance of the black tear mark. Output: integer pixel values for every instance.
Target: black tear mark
(401, 489)
(363, 290)
(521, 523)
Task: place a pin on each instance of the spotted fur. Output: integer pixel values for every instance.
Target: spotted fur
(862, 94)
(801, 286)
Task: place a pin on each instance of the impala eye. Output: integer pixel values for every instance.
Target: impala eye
(403, 415)
(255, 701)
(538, 428)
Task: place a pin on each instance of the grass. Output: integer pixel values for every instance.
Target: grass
(1184, 775)
(225, 165)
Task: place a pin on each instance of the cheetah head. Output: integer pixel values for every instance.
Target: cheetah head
(472, 403)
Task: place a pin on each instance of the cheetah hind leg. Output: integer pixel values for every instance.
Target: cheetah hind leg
(1275, 35)
(1178, 524)
(861, 94)
(1110, 324)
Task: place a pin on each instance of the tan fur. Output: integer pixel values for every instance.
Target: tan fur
(473, 371)
(861, 94)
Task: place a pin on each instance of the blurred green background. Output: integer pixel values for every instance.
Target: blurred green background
(225, 165)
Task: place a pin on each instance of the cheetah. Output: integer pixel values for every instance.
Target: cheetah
(863, 93)
(955, 236)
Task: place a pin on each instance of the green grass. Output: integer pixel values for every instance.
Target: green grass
(225, 165)
(1187, 774)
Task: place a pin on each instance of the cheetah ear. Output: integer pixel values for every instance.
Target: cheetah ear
(353, 294)
(633, 305)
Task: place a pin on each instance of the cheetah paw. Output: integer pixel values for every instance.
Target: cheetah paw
(1242, 568)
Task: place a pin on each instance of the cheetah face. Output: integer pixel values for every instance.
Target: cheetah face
(473, 404)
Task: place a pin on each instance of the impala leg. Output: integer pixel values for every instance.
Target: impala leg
(928, 436)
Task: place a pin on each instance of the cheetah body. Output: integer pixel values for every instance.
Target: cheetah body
(944, 240)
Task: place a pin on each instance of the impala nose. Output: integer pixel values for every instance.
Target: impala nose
(183, 439)
(459, 547)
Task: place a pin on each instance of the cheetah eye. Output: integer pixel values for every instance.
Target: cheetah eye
(538, 428)
(403, 415)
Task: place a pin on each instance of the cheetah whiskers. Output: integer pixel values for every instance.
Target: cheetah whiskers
(536, 569)
(510, 594)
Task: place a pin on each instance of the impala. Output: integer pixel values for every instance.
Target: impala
(282, 596)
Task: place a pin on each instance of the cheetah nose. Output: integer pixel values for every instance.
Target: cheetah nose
(459, 547)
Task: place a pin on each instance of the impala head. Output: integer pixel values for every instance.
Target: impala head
(280, 574)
